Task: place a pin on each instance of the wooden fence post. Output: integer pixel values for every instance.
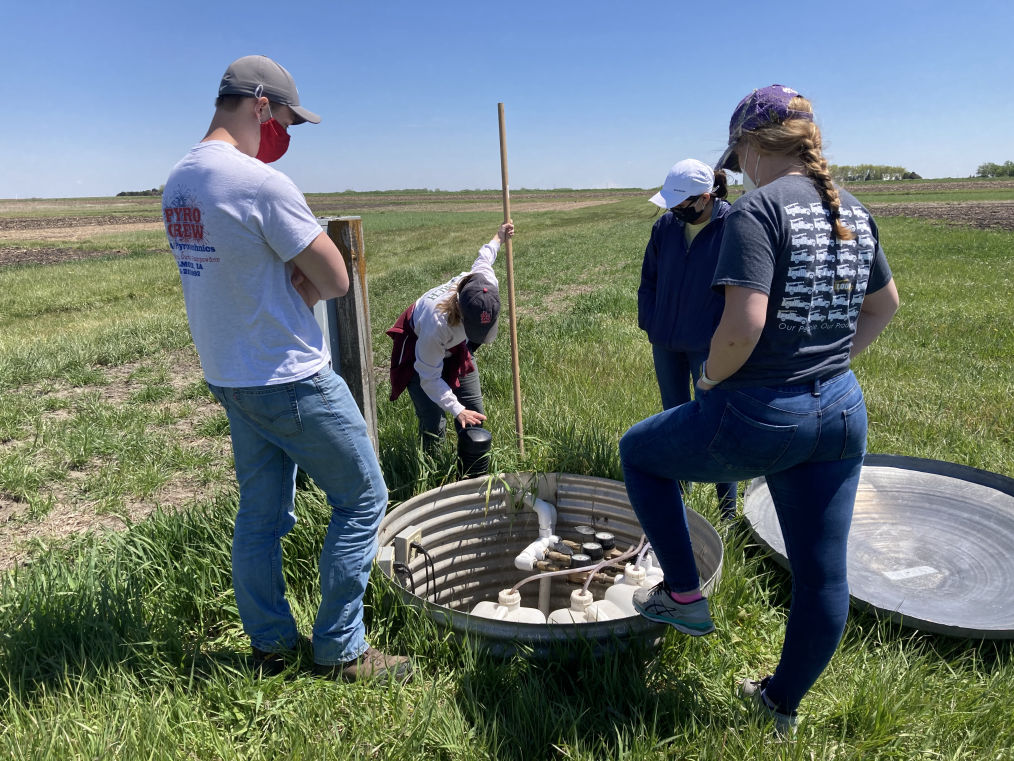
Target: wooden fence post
(348, 322)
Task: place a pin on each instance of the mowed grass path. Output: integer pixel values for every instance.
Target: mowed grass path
(127, 645)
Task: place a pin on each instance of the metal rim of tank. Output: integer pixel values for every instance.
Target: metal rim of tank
(473, 529)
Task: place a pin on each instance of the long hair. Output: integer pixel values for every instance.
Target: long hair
(450, 307)
(801, 137)
(721, 189)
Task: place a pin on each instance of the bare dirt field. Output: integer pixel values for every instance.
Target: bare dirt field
(32, 231)
(929, 186)
(981, 214)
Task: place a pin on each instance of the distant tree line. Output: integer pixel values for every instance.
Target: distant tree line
(868, 172)
(152, 192)
(989, 169)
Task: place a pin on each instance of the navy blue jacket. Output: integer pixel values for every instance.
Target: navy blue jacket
(676, 306)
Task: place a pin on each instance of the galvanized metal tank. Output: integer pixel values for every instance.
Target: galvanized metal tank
(472, 530)
(929, 547)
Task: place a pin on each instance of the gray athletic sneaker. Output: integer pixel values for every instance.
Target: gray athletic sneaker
(693, 618)
(753, 692)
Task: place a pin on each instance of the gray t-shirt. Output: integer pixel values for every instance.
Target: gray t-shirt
(778, 240)
(234, 225)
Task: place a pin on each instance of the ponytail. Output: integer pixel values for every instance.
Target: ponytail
(721, 189)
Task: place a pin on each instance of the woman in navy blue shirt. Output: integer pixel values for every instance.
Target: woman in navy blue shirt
(676, 305)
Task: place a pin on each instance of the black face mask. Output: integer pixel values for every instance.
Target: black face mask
(687, 214)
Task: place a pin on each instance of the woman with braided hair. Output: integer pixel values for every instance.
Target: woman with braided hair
(807, 287)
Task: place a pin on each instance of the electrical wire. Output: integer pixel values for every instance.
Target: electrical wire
(402, 570)
(431, 569)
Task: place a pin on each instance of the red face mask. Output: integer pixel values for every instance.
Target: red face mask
(274, 141)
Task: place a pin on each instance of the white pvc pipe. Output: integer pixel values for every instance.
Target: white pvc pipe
(526, 559)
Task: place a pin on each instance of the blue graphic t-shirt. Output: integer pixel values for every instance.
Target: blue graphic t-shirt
(779, 240)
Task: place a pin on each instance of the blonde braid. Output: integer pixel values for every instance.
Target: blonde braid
(801, 137)
(816, 169)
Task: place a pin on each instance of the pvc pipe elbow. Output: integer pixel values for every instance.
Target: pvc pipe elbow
(547, 517)
(534, 552)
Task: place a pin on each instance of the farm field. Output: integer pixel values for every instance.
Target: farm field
(118, 632)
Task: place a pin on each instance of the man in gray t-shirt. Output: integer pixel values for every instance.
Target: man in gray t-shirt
(253, 260)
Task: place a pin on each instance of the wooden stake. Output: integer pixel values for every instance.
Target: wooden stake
(515, 364)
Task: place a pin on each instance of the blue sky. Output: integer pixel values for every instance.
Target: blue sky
(104, 97)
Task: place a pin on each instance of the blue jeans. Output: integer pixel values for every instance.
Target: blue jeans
(808, 442)
(316, 424)
(675, 371)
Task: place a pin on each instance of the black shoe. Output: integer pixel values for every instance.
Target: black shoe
(273, 663)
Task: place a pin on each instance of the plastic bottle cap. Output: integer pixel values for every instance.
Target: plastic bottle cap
(580, 600)
(634, 574)
(509, 599)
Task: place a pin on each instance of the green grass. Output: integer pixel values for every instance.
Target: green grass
(128, 645)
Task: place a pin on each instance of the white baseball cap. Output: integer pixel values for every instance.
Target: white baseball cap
(688, 177)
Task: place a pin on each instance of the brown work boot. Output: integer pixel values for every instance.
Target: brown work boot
(371, 665)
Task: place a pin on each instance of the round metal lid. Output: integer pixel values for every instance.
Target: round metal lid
(931, 544)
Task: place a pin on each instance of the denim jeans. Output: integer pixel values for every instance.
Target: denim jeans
(675, 371)
(432, 418)
(808, 442)
(316, 424)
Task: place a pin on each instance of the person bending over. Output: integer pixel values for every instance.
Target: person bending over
(435, 339)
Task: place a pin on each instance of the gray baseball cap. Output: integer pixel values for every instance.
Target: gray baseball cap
(256, 76)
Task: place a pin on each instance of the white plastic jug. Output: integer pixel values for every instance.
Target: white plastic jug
(585, 609)
(508, 608)
(621, 593)
(652, 570)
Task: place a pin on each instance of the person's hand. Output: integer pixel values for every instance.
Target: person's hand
(306, 290)
(470, 417)
(506, 231)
